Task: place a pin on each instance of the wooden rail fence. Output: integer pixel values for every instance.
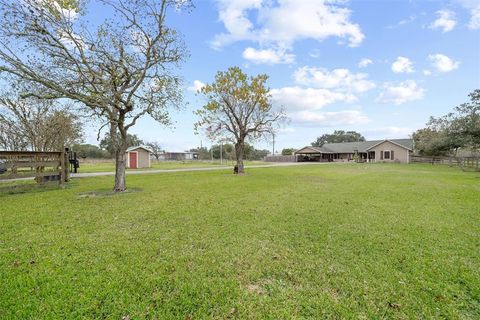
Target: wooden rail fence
(291, 158)
(466, 163)
(43, 166)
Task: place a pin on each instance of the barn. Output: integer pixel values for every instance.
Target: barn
(138, 157)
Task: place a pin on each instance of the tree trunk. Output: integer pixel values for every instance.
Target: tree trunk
(239, 146)
(119, 143)
(120, 165)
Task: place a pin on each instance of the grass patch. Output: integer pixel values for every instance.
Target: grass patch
(106, 193)
(109, 166)
(28, 186)
(317, 241)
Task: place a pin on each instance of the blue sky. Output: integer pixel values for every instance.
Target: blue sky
(381, 68)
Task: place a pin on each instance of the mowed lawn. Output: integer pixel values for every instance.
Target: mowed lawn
(109, 166)
(316, 241)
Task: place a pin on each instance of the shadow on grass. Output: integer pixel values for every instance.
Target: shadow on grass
(106, 193)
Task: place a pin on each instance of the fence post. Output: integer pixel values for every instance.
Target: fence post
(62, 167)
(66, 163)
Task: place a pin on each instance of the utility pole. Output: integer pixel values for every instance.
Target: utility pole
(221, 152)
(273, 149)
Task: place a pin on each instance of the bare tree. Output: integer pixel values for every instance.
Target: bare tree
(238, 108)
(120, 70)
(156, 148)
(37, 125)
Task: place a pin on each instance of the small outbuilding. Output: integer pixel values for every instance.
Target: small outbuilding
(138, 157)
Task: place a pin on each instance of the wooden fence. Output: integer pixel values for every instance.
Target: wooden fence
(466, 163)
(43, 166)
(291, 158)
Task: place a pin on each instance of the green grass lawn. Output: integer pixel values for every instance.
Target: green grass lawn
(165, 165)
(320, 241)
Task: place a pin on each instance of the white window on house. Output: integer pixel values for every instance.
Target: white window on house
(386, 155)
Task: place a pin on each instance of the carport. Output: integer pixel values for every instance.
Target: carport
(313, 154)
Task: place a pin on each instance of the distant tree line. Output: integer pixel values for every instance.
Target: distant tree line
(228, 152)
(338, 136)
(457, 130)
(288, 151)
(107, 150)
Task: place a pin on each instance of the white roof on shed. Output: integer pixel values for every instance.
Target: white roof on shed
(139, 147)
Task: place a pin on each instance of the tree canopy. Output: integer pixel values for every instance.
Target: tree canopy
(107, 143)
(89, 151)
(238, 109)
(156, 148)
(37, 125)
(459, 129)
(120, 70)
(338, 136)
(288, 151)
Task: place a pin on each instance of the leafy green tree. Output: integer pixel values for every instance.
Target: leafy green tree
(107, 143)
(89, 151)
(227, 151)
(38, 125)
(203, 153)
(467, 120)
(119, 69)
(156, 148)
(338, 136)
(258, 154)
(459, 129)
(288, 151)
(431, 142)
(238, 109)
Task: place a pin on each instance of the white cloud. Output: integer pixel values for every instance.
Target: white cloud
(339, 79)
(268, 56)
(474, 7)
(427, 72)
(446, 21)
(68, 14)
(319, 87)
(364, 63)
(474, 23)
(403, 92)
(442, 63)
(335, 118)
(287, 130)
(402, 65)
(72, 41)
(284, 22)
(297, 98)
(197, 86)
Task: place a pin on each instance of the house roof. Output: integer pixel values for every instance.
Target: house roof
(350, 147)
(139, 147)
